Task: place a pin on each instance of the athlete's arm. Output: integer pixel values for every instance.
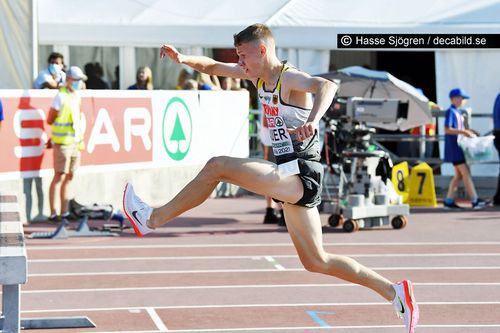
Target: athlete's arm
(323, 90)
(203, 64)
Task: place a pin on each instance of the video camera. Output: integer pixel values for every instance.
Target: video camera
(371, 111)
(352, 121)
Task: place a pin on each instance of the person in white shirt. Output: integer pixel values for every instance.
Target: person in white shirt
(53, 76)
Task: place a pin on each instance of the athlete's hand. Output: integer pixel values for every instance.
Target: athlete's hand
(303, 132)
(171, 52)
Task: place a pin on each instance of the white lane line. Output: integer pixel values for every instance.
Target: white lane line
(202, 271)
(157, 320)
(253, 257)
(312, 328)
(274, 263)
(251, 286)
(239, 245)
(225, 306)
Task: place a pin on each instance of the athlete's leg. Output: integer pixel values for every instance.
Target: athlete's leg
(304, 227)
(258, 176)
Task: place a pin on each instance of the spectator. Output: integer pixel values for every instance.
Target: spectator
(190, 85)
(454, 126)
(208, 82)
(144, 79)
(185, 75)
(53, 76)
(67, 138)
(116, 83)
(496, 132)
(95, 73)
(226, 83)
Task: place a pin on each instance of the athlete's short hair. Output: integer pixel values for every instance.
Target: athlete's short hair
(253, 33)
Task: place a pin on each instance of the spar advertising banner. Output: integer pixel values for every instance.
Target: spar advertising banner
(126, 130)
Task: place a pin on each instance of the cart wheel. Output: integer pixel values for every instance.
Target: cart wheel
(350, 226)
(399, 222)
(336, 220)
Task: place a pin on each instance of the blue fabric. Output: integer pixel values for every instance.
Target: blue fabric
(204, 86)
(458, 92)
(496, 113)
(452, 152)
(1, 111)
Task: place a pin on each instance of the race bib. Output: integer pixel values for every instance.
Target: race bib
(282, 144)
(280, 138)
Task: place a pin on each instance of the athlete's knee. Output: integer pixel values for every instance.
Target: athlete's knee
(215, 166)
(315, 264)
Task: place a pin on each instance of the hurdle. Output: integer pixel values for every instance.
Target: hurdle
(14, 272)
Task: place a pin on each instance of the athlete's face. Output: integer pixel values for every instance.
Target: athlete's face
(251, 57)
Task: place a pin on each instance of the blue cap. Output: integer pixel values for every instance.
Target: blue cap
(458, 92)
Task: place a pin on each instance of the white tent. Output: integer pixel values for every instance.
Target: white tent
(310, 24)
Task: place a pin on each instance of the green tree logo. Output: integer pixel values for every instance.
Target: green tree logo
(177, 129)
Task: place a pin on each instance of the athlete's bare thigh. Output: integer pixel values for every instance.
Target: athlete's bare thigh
(261, 177)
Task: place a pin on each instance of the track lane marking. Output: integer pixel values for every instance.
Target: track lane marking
(157, 320)
(309, 328)
(225, 306)
(251, 286)
(255, 271)
(169, 246)
(254, 257)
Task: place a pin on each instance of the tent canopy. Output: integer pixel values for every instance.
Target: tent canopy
(211, 23)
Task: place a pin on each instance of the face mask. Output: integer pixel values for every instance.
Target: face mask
(54, 69)
(76, 85)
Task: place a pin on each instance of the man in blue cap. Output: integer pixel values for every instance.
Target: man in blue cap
(454, 126)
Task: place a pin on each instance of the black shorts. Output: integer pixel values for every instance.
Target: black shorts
(311, 175)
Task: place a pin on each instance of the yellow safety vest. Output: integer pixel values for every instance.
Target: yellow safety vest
(63, 132)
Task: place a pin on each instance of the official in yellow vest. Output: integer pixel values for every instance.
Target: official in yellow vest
(67, 138)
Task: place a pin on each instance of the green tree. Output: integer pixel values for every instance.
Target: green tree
(177, 133)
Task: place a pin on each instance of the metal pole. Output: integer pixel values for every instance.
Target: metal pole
(34, 39)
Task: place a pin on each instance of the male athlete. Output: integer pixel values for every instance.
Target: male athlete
(296, 178)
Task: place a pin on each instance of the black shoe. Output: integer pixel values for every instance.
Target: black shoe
(54, 218)
(69, 216)
(453, 206)
(480, 204)
(271, 217)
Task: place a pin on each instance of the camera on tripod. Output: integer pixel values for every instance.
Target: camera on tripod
(371, 111)
(352, 120)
